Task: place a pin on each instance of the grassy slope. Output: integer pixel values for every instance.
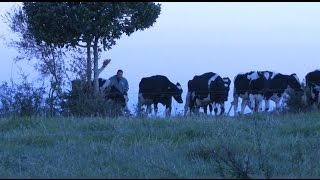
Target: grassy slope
(257, 146)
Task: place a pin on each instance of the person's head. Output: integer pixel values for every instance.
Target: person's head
(119, 74)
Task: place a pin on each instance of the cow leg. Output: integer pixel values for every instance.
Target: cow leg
(252, 103)
(215, 108)
(235, 103)
(222, 108)
(267, 105)
(155, 105)
(192, 104)
(186, 106)
(259, 100)
(278, 103)
(210, 108)
(244, 103)
(256, 106)
(205, 109)
(148, 109)
(168, 111)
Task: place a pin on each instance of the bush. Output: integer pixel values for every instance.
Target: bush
(21, 99)
(82, 102)
(294, 103)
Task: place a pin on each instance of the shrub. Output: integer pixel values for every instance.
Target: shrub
(81, 101)
(21, 99)
(294, 103)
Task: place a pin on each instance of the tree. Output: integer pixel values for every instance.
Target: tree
(50, 60)
(96, 24)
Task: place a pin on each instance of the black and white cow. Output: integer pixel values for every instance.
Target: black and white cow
(188, 100)
(158, 89)
(249, 87)
(278, 85)
(111, 93)
(313, 85)
(208, 89)
(256, 86)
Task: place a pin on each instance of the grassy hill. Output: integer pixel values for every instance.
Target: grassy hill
(258, 146)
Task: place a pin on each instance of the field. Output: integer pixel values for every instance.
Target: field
(257, 146)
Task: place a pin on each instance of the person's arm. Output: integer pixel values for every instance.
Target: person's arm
(127, 85)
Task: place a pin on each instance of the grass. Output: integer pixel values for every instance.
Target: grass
(257, 146)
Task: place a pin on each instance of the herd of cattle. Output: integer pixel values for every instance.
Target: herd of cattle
(211, 90)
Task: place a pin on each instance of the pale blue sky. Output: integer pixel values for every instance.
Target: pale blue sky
(227, 38)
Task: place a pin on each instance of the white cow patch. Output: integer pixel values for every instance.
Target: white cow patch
(212, 79)
(295, 76)
(253, 76)
(273, 75)
(105, 85)
(266, 74)
(179, 87)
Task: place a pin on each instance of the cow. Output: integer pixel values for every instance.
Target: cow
(249, 87)
(188, 99)
(112, 94)
(313, 85)
(254, 87)
(278, 85)
(208, 89)
(158, 89)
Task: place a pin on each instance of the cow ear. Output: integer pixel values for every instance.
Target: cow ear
(178, 84)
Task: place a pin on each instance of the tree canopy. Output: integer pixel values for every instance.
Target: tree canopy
(93, 25)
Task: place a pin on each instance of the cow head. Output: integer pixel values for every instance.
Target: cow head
(294, 83)
(176, 92)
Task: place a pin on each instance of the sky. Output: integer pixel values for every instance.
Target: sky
(192, 38)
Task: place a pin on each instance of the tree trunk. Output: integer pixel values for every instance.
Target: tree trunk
(89, 65)
(95, 66)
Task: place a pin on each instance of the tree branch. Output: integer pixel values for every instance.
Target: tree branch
(104, 65)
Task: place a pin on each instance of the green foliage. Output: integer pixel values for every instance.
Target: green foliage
(82, 102)
(21, 99)
(295, 104)
(96, 24)
(68, 23)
